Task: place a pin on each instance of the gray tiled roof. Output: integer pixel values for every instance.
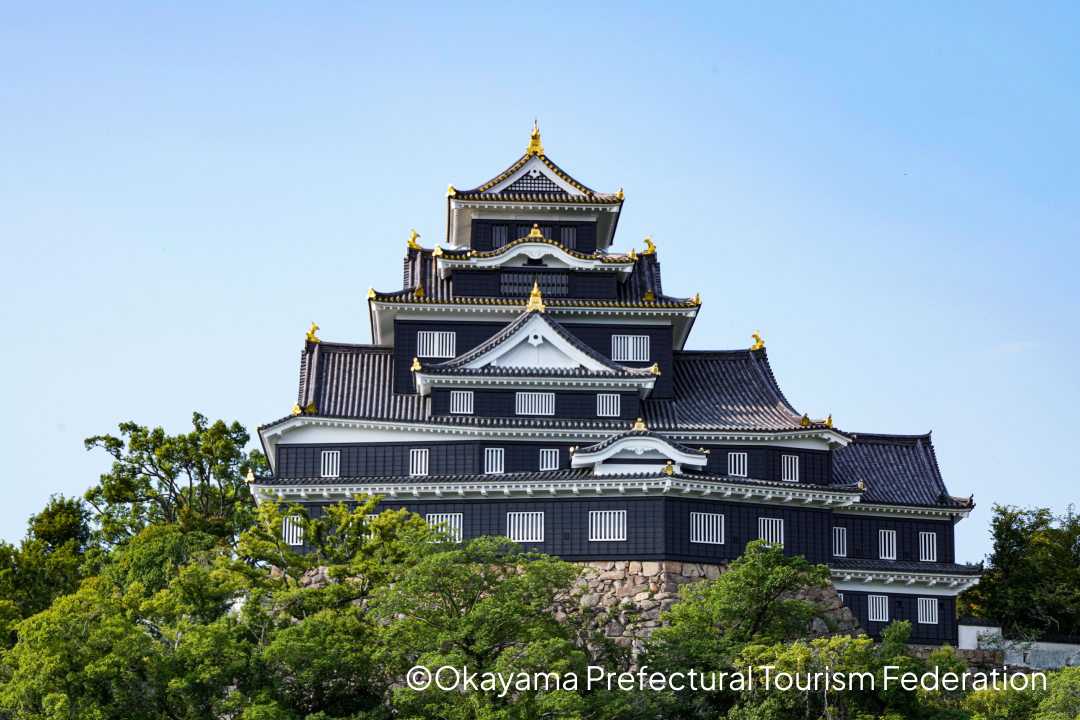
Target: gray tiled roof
(896, 469)
(904, 566)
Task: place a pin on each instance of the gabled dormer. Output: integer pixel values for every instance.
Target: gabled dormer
(638, 450)
(534, 190)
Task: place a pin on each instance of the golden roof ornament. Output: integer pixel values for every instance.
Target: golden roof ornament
(296, 409)
(649, 297)
(759, 342)
(620, 196)
(656, 369)
(534, 142)
(250, 476)
(669, 469)
(370, 293)
(412, 241)
(437, 252)
(828, 421)
(639, 425)
(805, 422)
(415, 364)
(419, 291)
(534, 233)
(310, 409)
(861, 485)
(651, 250)
(450, 191)
(633, 254)
(697, 299)
(535, 301)
(311, 333)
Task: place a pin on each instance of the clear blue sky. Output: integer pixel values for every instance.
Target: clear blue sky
(891, 195)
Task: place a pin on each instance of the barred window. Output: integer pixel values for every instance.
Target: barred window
(549, 459)
(500, 234)
(771, 530)
(841, 596)
(331, 463)
(493, 461)
(418, 462)
(291, 531)
(525, 526)
(928, 608)
(461, 402)
(523, 230)
(535, 403)
(449, 522)
(607, 525)
(839, 542)
(736, 464)
(791, 468)
(707, 528)
(879, 608)
(431, 344)
(630, 348)
(568, 237)
(928, 546)
(607, 405)
(887, 544)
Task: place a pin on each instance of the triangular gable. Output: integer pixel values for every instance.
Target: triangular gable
(540, 343)
(537, 171)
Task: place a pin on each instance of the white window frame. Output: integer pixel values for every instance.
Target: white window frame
(630, 348)
(607, 526)
(436, 343)
(771, 530)
(461, 402)
(878, 608)
(790, 468)
(549, 459)
(331, 463)
(291, 532)
(928, 547)
(841, 596)
(886, 544)
(418, 461)
(453, 522)
(494, 461)
(525, 527)
(737, 463)
(534, 403)
(928, 611)
(608, 405)
(839, 541)
(707, 528)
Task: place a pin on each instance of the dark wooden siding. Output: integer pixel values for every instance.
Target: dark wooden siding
(598, 337)
(502, 403)
(766, 462)
(481, 232)
(469, 335)
(862, 536)
(906, 607)
(579, 285)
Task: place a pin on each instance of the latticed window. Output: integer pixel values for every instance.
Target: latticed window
(790, 468)
(461, 402)
(736, 464)
(500, 235)
(887, 544)
(520, 283)
(418, 462)
(291, 531)
(771, 530)
(607, 405)
(928, 546)
(707, 528)
(839, 542)
(568, 237)
(448, 522)
(607, 525)
(493, 461)
(879, 608)
(533, 182)
(630, 348)
(525, 526)
(331, 463)
(435, 344)
(928, 608)
(549, 459)
(534, 403)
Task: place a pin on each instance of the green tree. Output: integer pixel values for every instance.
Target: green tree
(195, 480)
(1032, 581)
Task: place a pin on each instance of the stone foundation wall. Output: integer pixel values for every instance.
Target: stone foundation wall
(626, 597)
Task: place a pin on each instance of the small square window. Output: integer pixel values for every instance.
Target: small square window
(549, 459)
(771, 530)
(291, 531)
(525, 526)
(534, 403)
(928, 546)
(630, 348)
(879, 608)
(790, 468)
(839, 542)
(331, 463)
(461, 402)
(607, 525)
(736, 464)
(493, 461)
(928, 614)
(448, 522)
(435, 344)
(607, 405)
(568, 237)
(418, 462)
(500, 235)
(887, 544)
(707, 528)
